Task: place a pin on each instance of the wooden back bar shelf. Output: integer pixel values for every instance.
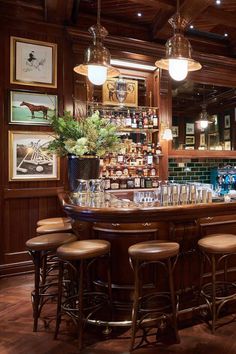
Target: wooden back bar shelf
(122, 221)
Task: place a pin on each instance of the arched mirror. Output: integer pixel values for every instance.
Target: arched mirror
(203, 116)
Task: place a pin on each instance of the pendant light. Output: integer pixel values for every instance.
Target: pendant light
(203, 118)
(97, 58)
(178, 60)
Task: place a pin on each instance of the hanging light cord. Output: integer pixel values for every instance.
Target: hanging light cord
(99, 13)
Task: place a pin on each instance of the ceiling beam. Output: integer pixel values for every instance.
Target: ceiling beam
(217, 16)
(166, 4)
(189, 11)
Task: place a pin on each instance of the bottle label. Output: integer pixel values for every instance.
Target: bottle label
(150, 159)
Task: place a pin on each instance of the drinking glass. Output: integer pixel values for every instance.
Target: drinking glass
(96, 186)
(82, 187)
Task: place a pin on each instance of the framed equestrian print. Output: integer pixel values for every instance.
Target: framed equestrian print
(33, 63)
(29, 157)
(120, 92)
(32, 108)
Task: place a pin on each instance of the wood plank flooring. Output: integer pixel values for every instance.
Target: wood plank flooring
(16, 336)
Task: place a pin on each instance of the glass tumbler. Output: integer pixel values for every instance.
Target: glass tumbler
(82, 187)
(96, 186)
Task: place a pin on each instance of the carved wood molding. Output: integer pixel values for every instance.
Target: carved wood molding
(31, 192)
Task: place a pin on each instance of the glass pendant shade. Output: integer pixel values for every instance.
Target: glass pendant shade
(97, 58)
(178, 69)
(97, 74)
(203, 118)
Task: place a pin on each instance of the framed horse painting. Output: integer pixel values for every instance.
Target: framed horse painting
(30, 158)
(32, 108)
(33, 62)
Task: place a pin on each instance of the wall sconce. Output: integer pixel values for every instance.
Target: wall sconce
(167, 134)
(178, 60)
(97, 58)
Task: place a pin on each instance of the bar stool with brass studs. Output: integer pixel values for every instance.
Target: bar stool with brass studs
(216, 250)
(156, 309)
(78, 257)
(40, 248)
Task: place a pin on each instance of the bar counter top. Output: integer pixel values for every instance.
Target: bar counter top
(120, 207)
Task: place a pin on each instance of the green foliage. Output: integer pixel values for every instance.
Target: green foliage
(88, 136)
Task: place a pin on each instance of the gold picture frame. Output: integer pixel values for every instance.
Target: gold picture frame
(29, 159)
(120, 92)
(33, 63)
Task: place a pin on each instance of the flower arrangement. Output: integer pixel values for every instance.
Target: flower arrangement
(92, 135)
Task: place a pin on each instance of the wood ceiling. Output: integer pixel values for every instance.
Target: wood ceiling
(210, 21)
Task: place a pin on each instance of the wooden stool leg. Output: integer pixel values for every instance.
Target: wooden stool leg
(213, 265)
(109, 285)
(173, 302)
(80, 314)
(59, 299)
(36, 296)
(135, 304)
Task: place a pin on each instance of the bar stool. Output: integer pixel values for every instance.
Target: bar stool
(52, 228)
(40, 248)
(141, 255)
(53, 221)
(79, 256)
(216, 249)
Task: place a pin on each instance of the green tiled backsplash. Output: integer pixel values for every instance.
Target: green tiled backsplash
(197, 170)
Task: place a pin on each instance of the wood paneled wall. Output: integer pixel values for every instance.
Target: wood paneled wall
(23, 203)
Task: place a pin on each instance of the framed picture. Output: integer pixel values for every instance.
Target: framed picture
(32, 108)
(213, 141)
(227, 134)
(227, 145)
(29, 158)
(175, 131)
(120, 92)
(202, 139)
(227, 121)
(190, 140)
(189, 128)
(33, 62)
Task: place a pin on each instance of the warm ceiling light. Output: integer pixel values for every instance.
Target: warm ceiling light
(132, 65)
(178, 60)
(139, 14)
(226, 34)
(191, 26)
(218, 2)
(97, 58)
(203, 118)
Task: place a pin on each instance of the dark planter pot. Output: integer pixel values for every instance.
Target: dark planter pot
(86, 167)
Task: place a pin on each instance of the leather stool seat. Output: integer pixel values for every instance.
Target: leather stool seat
(52, 221)
(153, 250)
(49, 241)
(218, 243)
(83, 249)
(46, 229)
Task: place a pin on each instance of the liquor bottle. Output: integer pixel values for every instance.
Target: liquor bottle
(128, 120)
(134, 122)
(123, 183)
(153, 171)
(150, 119)
(130, 183)
(107, 183)
(149, 158)
(148, 183)
(145, 120)
(120, 158)
(158, 149)
(115, 183)
(137, 182)
(140, 124)
(155, 120)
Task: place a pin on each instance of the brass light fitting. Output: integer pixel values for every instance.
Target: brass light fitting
(178, 58)
(97, 57)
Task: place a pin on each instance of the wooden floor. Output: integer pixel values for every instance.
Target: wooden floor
(16, 336)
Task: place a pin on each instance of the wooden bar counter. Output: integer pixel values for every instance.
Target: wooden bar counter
(117, 218)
